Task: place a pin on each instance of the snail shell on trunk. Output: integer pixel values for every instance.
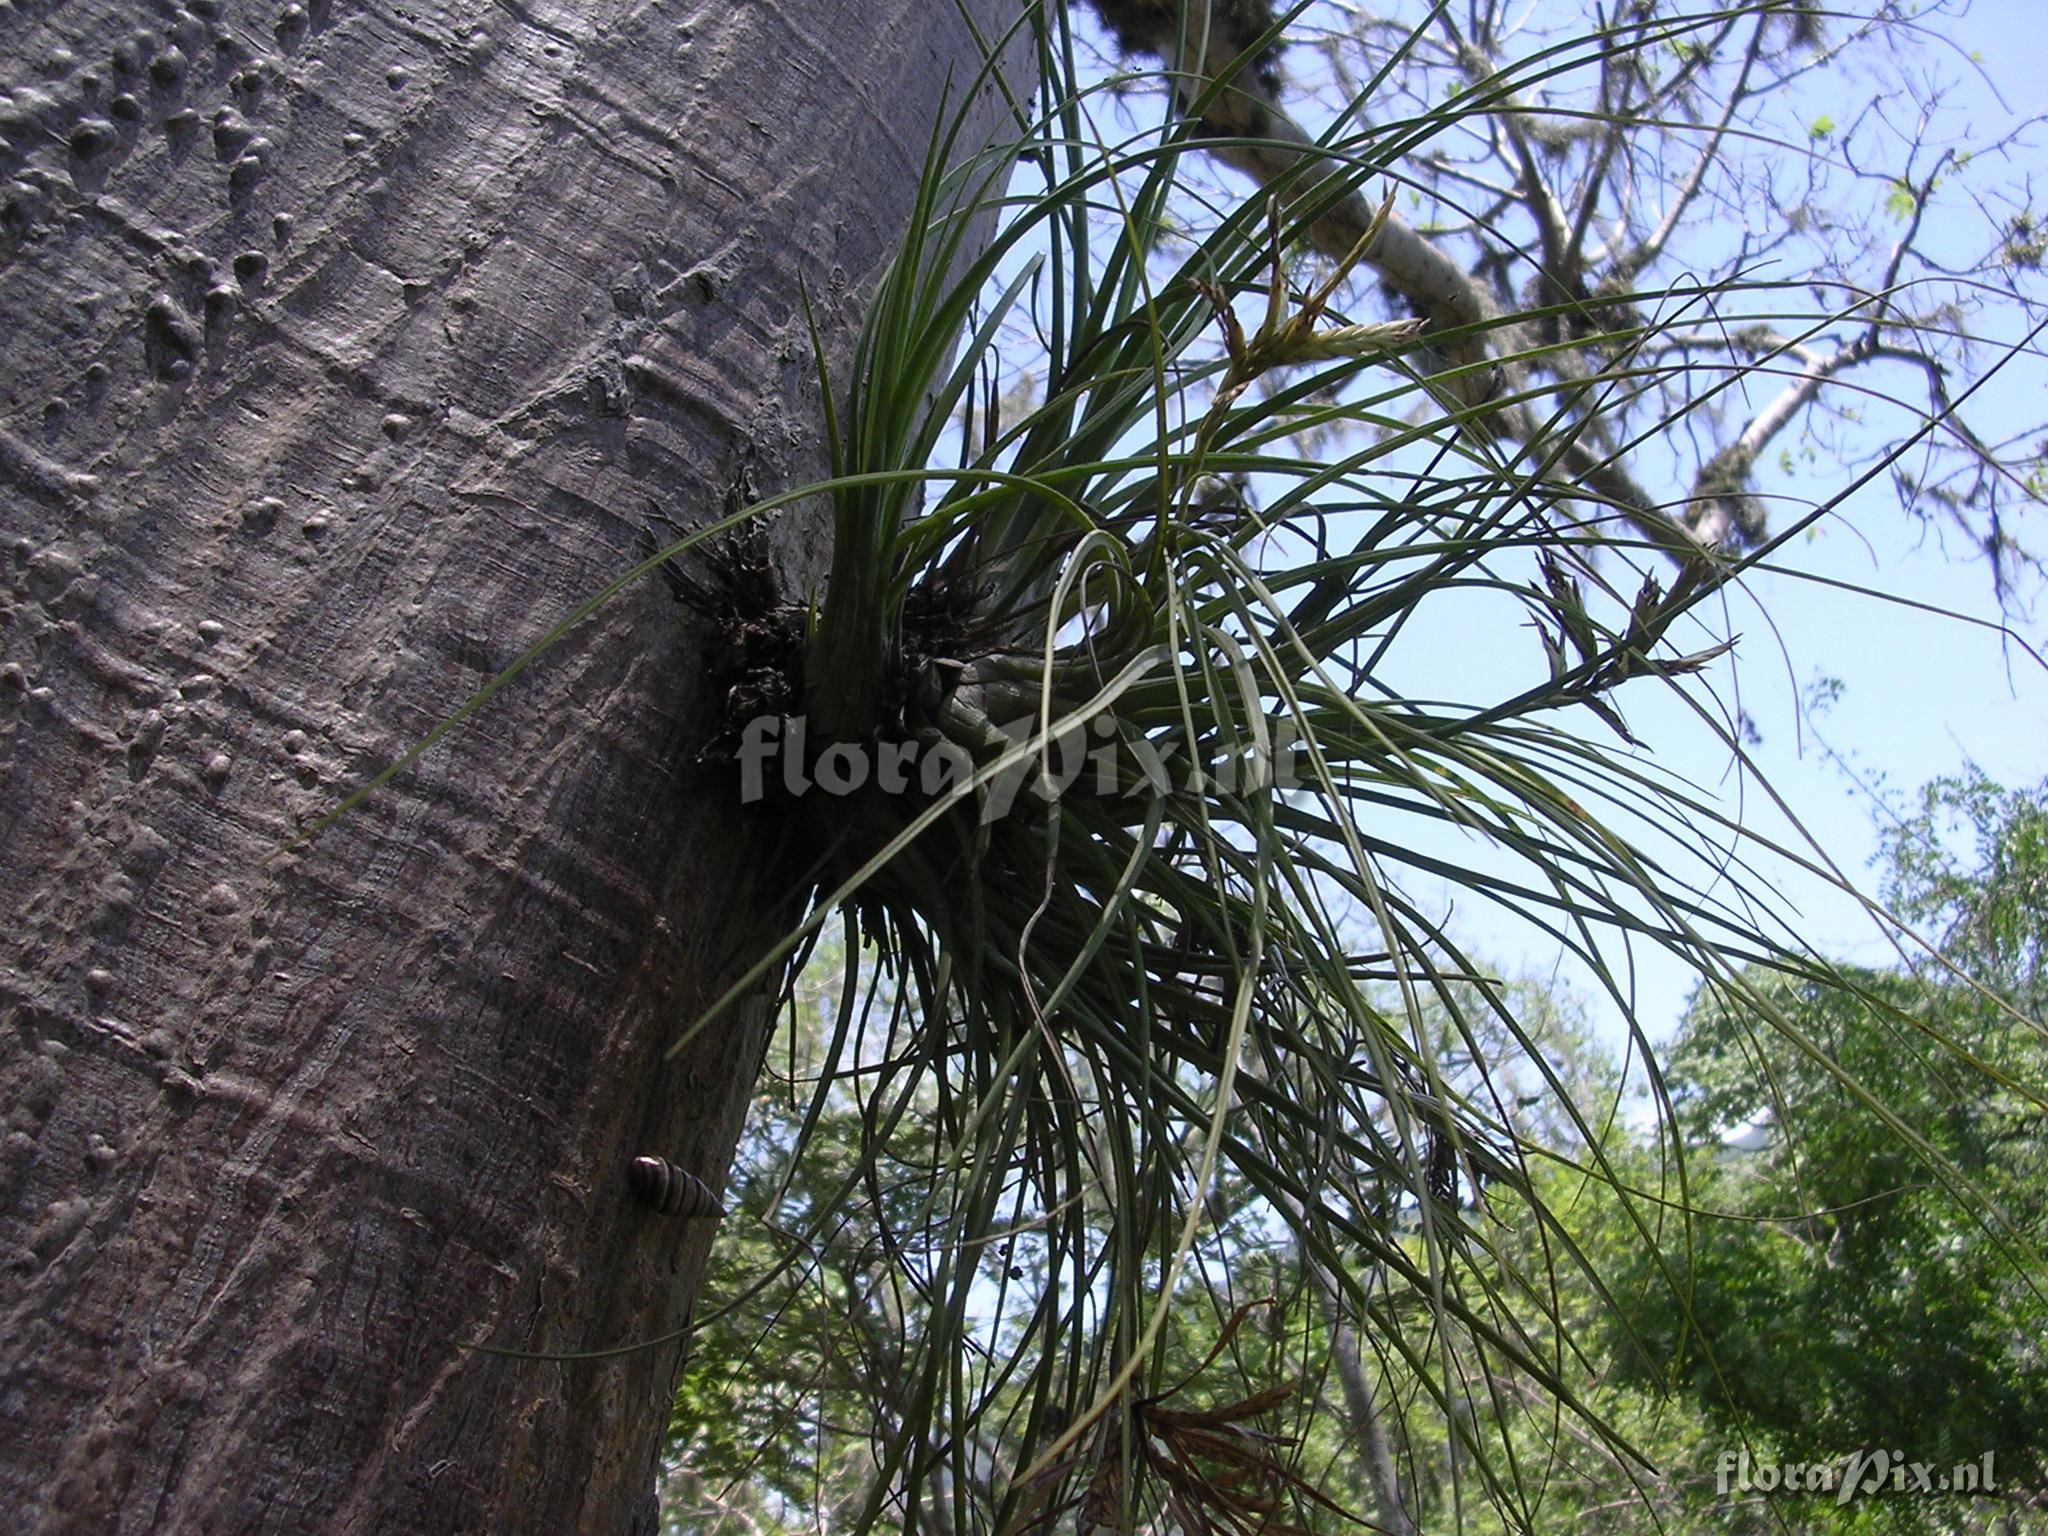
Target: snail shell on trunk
(670, 1190)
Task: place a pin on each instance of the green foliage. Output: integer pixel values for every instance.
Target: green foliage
(805, 1312)
(1987, 908)
(1839, 1297)
(1845, 1289)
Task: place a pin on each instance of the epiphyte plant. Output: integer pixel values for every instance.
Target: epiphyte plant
(1115, 992)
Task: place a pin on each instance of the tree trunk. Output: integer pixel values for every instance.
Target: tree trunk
(347, 349)
(1374, 1450)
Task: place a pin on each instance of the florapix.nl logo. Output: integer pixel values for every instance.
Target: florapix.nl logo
(775, 755)
(1859, 1474)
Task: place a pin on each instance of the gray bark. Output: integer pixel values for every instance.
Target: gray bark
(347, 347)
(1374, 1447)
(1375, 1450)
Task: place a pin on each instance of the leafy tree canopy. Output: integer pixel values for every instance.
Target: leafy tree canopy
(1842, 1287)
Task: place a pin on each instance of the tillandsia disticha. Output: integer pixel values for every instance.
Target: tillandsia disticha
(1022, 720)
(1085, 734)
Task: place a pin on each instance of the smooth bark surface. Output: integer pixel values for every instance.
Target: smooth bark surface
(347, 348)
